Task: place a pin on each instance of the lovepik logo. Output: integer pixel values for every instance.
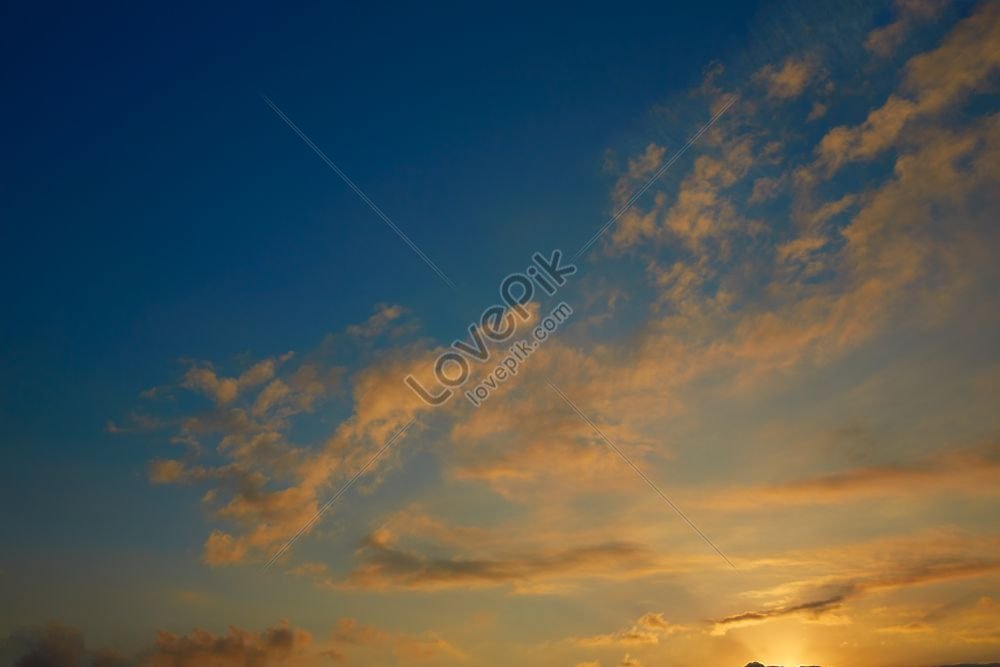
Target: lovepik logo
(497, 324)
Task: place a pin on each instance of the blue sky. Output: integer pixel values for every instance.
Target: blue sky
(158, 210)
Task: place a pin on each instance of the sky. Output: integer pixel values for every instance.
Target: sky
(753, 415)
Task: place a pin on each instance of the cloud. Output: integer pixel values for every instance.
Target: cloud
(878, 264)
(648, 629)
(974, 471)
(973, 619)
(736, 303)
(817, 111)
(880, 566)
(699, 212)
(766, 188)
(799, 250)
(813, 607)
(203, 378)
(54, 645)
(733, 310)
(238, 648)
(788, 81)
(135, 422)
(261, 484)
(385, 566)
(540, 553)
(885, 40)
(933, 82)
(383, 320)
(744, 325)
(639, 169)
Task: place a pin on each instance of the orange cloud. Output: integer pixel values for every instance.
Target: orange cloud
(789, 80)
(885, 40)
(972, 471)
(935, 81)
(648, 629)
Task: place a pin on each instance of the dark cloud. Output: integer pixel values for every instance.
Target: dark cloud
(57, 645)
(54, 645)
(832, 596)
(237, 648)
(973, 471)
(385, 565)
(815, 607)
